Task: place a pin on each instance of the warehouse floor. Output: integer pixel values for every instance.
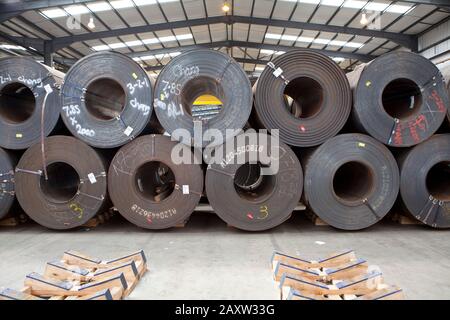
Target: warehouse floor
(208, 260)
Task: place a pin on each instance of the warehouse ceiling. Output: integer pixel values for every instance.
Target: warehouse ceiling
(252, 31)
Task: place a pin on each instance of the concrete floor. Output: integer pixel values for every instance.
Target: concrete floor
(208, 260)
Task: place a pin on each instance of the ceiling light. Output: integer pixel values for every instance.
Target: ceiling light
(120, 4)
(150, 41)
(338, 59)
(75, 10)
(354, 4)
(54, 13)
(101, 48)
(98, 6)
(117, 45)
(332, 3)
(364, 20)
(397, 8)
(91, 24)
(167, 39)
(133, 43)
(184, 36)
(288, 37)
(11, 47)
(226, 7)
(310, 1)
(305, 39)
(376, 6)
(273, 36)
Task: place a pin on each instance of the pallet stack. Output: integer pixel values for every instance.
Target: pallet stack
(340, 276)
(79, 277)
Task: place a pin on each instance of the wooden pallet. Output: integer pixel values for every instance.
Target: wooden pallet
(404, 219)
(99, 219)
(13, 220)
(340, 276)
(80, 277)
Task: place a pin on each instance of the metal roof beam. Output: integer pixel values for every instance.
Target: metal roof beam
(408, 41)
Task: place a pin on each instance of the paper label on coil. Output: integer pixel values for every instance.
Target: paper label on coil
(185, 189)
(48, 89)
(134, 75)
(361, 145)
(278, 72)
(19, 135)
(128, 131)
(92, 178)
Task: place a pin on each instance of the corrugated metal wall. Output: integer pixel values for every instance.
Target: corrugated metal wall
(435, 44)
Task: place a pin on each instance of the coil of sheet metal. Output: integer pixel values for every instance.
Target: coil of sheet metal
(106, 99)
(7, 193)
(425, 181)
(256, 185)
(351, 181)
(191, 75)
(305, 95)
(29, 101)
(400, 98)
(149, 188)
(75, 190)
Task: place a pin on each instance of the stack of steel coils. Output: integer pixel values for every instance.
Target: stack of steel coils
(317, 129)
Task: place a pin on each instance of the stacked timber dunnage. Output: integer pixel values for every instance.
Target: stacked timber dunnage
(118, 155)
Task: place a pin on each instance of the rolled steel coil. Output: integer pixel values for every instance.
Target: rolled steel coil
(7, 193)
(106, 99)
(75, 190)
(445, 70)
(351, 181)
(425, 181)
(305, 95)
(148, 188)
(196, 73)
(244, 197)
(27, 89)
(400, 98)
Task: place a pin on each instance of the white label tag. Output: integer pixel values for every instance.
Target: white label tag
(128, 131)
(185, 189)
(48, 88)
(278, 72)
(92, 178)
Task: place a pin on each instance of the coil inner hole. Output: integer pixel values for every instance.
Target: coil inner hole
(402, 98)
(155, 181)
(353, 182)
(63, 182)
(303, 97)
(438, 181)
(251, 185)
(105, 99)
(17, 103)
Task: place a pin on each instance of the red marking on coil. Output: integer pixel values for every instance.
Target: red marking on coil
(421, 123)
(250, 216)
(302, 128)
(398, 138)
(437, 99)
(149, 220)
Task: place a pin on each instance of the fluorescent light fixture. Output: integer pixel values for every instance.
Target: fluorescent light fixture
(338, 59)
(321, 41)
(11, 47)
(77, 9)
(267, 51)
(305, 39)
(184, 36)
(133, 43)
(150, 41)
(165, 1)
(167, 39)
(98, 6)
(397, 8)
(117, 45)
(101, 48)
(121, 4)
(288, 37)
(354, 4)
(54, 13)
(273, 36)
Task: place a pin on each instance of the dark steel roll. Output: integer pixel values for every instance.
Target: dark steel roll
(242, 196)
(196, 73)
(351, 181)
(24, 87)
(305, 95)
(76, 187)
(107, 99)
(425, 181)
(148, 188)
(7, 193)
(400, 98)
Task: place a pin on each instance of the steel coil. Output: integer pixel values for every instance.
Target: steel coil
(196, 73)
(305, 95)
(148, 188)
(242, 196)
(351, 181)
(27, 88)
(445, 70)
(76, 187)
(425, 181)
(106, 99)
(400, 98)
(7, 193)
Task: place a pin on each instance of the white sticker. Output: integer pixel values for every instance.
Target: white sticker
(166, 134)
(185, 189)
(128, 131)
(278, 72)
(48, 88)
(92, 178)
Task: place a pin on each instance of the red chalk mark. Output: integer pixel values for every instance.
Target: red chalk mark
(302, 128)
(437, 99)
(250, 216)
(149, 220)
(398, 137)
(421, 123)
